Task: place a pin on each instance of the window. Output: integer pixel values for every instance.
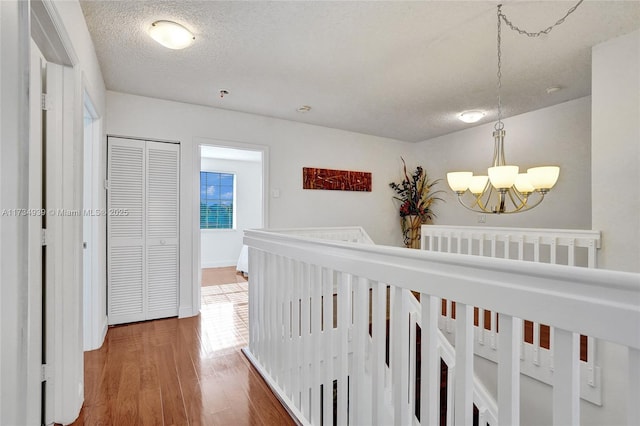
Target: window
(216, 200)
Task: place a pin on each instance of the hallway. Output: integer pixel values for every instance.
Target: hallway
(182, 371)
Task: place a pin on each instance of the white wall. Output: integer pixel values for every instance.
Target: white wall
(292, 146)
(221, 247)
(558, 135)
(616, 150)
(615, 147)
(14, 172)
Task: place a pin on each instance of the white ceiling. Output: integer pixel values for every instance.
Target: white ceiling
(397, 69)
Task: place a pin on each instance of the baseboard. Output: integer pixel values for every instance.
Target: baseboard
(218, 263)
(288, 405)
(187, 312)
(105, 327)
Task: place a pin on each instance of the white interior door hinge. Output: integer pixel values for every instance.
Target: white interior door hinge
(107, 185)
(46, 102)
(43, 237)
(45, 373)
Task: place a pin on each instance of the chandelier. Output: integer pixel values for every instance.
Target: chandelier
(504, 189)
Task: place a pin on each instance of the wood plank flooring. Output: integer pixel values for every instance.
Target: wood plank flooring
(186, 371)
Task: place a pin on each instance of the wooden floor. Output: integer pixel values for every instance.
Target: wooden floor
(182, 371)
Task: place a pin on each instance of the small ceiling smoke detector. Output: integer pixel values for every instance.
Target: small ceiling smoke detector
(471, 116)
(171, 34)
(304, 108)
(553, 89)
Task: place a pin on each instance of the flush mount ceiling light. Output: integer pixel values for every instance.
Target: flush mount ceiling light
(171, 34)
(304, 108)
(505, 190)
(471, 116)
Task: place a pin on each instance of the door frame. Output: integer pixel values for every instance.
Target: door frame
(196, 162)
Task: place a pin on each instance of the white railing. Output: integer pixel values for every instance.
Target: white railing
(556, 246)
(304, 346)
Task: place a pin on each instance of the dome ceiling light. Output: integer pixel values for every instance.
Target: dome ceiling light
(171, 34)
(471, 116)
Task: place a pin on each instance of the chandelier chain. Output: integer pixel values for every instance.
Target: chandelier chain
(502, 17)
(499, 125)
(539, 33)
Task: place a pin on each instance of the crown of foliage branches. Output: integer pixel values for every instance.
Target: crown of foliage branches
(415, 193)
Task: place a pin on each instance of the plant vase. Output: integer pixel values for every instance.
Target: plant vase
(411, 231)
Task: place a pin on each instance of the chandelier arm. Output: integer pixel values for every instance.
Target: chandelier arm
(480, 206)
(528, 207)
(521, 200)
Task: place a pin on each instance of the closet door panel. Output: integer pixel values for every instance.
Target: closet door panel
(126, 231)
(162, 229)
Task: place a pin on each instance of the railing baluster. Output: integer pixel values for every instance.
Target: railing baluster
(344, 323)
(271, 316)
(481, 326)
(316, 339)
(399, 357)
(412, 363)
(430, 359)
(463, 404)
(361, 409)
(566, 378)
(536, 343)
(378, 365)
(286, 346)
(449, 316)
(327, 344)
(509, 340)
(591, 262)
(305, 340)
(572, 252)
(633, 395)
(296, 352)
(494, 328)
(493, 245)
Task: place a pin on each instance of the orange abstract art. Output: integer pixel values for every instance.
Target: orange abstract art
(337, 180)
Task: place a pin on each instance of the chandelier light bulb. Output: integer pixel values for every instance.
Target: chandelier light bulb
(543, 178)
(503, 177)
(478, 184)
(171, 34)
(459, 181)
(523, 184)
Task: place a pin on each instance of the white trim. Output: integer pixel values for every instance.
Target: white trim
(196, 231)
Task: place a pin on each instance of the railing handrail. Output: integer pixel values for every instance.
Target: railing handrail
(321, 232)
(581, 237)
(600, 303)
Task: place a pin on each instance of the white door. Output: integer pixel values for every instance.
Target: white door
(142, 229)
(64, 372)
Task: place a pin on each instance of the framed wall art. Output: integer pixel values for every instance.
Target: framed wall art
(335, 180)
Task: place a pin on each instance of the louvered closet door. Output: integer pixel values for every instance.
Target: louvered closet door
(126, 233)
(143, 244)
(162, 230)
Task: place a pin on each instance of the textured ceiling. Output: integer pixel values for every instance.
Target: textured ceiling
(402, 70)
